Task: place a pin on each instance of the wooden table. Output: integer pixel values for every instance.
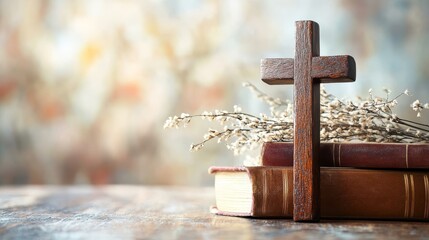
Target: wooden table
(129, 212)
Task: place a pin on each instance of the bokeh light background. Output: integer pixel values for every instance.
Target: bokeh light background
(86, 85)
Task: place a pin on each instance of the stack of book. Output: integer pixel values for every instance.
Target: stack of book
(357, 181)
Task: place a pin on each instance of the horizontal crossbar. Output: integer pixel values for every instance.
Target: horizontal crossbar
(326, 69)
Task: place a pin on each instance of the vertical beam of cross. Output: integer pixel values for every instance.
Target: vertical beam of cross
(306, 72)
(306, 124)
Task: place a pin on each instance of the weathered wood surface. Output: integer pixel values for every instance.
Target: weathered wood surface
(306, 192)
(327, 69)
(130, 212)
(306, 71)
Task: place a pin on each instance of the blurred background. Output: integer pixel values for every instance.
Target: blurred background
(86, 85)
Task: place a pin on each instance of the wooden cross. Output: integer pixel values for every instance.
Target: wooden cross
(306, 72)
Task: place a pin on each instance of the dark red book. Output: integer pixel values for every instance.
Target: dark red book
(359, 155)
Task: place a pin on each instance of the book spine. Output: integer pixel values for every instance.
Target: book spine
(362, 155)
(272, 192)
(347, 193)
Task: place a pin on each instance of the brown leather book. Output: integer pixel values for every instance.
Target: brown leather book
(346, 193)
(360, 155)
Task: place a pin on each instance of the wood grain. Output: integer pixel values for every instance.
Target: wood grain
(276, 71)
(135, 212)
(306, 71)
(306, 125)
(327, 69)
(330, 69)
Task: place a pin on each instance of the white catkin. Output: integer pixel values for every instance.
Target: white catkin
(371, 119)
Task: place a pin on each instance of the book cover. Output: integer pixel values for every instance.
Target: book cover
(346, 193)
(360, 155)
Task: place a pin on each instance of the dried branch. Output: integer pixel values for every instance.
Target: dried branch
(370, 120)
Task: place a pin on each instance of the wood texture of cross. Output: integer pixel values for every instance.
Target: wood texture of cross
(306, 72)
